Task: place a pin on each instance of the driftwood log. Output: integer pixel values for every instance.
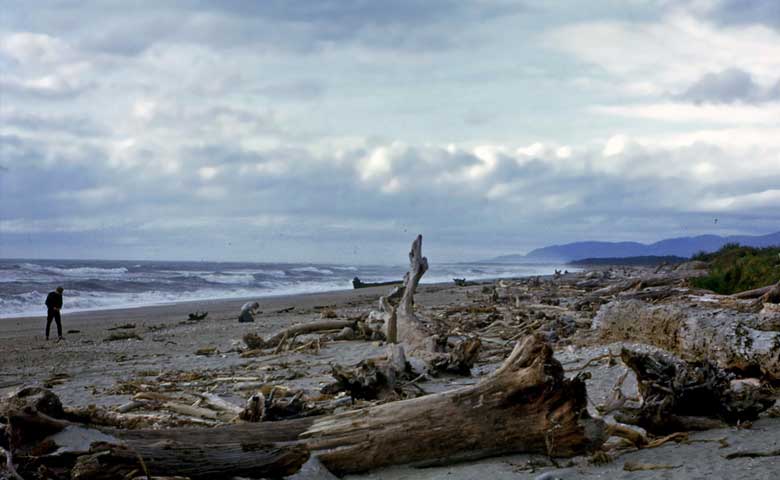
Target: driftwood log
(376, 378)
(43, 439)
(372, 378)
(635, 287)
(681, 396)
(734, 340)
(527, 405)
(404, 325)
(254, 341)
(770, 293)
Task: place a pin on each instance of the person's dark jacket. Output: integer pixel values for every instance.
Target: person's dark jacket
(54, 300)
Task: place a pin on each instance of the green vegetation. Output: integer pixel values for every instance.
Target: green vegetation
(734, 268)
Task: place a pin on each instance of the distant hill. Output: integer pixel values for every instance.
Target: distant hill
(680, 247)
(643, 260)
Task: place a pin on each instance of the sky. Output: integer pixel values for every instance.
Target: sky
(337, 130)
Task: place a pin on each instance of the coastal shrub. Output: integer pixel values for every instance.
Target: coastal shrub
(735, 268)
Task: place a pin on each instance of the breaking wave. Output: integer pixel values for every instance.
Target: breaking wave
(97, 285)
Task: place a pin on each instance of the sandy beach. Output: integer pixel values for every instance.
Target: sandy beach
(85, 369)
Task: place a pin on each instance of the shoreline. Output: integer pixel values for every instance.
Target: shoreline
(218, 306)
(273, 297)
(116, 286)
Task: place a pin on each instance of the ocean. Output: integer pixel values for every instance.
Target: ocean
(109, 284)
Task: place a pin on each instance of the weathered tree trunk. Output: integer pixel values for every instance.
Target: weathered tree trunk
(760, 292)
(109, 461)
(734, 340)
(41, 435)
(525, 406)
(410, 329)
(255, 341)
(680, 396)
(413, 332)
(772, 295)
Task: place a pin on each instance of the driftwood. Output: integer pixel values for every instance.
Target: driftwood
(633, 287)
(679, 396)
(403, 325)
(772, 295)
(357, 283)
(42, 437)
(254, 341)
(771, 291)
(733, 340)
(527, 405)
(373, 378)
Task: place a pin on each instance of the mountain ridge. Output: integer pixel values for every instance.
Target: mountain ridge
(678, 246)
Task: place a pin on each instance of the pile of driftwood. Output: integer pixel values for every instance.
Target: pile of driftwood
(720, 362)
(527, 405)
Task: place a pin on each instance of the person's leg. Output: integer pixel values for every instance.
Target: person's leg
(49, 317)
(58, 319)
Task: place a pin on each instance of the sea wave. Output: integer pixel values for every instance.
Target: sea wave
(95, 285)
(32, 303)
(315, 270)
(82, 272)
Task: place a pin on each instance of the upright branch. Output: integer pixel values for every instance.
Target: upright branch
(418, 265)
(410, 329)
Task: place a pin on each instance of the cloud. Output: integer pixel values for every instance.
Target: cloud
(27, 47)
(729, 86)
(49, 87)
(81, 126)
(42, 66)
(301, 27)
(301, 129)
(705, 114)
(738, 12)
(300, 89)
(673, 53)
(764, 199)
(308, 196)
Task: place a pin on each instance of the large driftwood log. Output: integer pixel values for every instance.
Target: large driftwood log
(770, 293)
(679, 396)
(734, 340)
(254, 341)
(527, 405)
(41, 436)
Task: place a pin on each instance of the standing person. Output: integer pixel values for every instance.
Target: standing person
(54, 305)
(248, 311)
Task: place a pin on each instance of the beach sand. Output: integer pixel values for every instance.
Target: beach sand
(85, 369)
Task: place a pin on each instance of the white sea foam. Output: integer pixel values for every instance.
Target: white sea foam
(228, 278)
(92, 286)
(320, 271)
(81, 272)
(32, 303)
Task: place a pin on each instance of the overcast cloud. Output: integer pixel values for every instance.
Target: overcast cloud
(337, 130)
